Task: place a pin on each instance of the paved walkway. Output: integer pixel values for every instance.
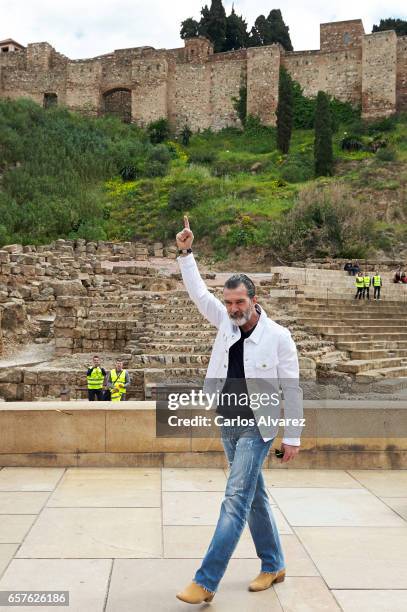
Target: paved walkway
(126, 539)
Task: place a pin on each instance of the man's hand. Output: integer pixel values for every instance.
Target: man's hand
(186, 237)
(289, 452)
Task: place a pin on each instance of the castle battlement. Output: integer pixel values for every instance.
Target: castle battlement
(194, 85)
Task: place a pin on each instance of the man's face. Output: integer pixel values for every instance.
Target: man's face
(119, 365)
(96, 361)
(238, 304)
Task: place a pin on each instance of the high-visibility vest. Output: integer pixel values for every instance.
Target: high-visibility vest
(116, 393)
(377, 281)
(366, 280)
(95, 379)
(360, 281)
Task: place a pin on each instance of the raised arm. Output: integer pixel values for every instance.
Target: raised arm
(208, 305)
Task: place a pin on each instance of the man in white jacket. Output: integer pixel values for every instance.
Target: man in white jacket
(249, 347)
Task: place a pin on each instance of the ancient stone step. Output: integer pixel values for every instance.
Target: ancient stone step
(161, 348)
(355, 366)
(384, 345)
(376, 375)
(173, 359)
(386, 319)
(181, 327)
(362, 332)
(370, 336)
(378, 354)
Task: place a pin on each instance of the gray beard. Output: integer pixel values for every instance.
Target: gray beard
(241, 320)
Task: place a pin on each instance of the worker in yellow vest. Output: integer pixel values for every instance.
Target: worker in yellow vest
(95, 377)
(367, 281)
(360, 285)
(377, 283)
(118, 382)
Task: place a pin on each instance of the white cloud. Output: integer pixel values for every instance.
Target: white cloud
(86, 29)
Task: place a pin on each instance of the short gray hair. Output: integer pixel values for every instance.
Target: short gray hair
(241, 279)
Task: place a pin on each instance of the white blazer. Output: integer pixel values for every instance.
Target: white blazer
(269, 352)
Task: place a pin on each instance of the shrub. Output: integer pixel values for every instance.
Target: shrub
(386, 154)
(128, 173)
(160, 153)
(382, 125)
(157, 161)
(154, 168)
(356, 128)
(186, 134)
(296, 172)
(202, 156)
(303, 109)
(240, 104)
(253, 125)
(325, 221)
(158, 131)
(351, 143)
(182, 197)
(234, 163)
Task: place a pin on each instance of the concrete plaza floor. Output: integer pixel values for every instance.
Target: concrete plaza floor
(127, 539)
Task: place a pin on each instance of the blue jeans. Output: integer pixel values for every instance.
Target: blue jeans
(245, 499)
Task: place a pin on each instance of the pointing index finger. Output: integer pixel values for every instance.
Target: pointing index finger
(186, 222)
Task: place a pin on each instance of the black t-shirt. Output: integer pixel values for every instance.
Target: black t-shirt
(236, 382)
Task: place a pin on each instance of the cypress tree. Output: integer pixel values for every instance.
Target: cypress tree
(279, 31)
(323, 153)
(285, 111)
(236, 32)
(398, 25)
(213, 24)
(259, 34)
(204, 22)
(272, 29)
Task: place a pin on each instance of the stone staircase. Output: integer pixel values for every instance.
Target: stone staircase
(172, 341)
(370, 335)
(374, 337)
(328, 284)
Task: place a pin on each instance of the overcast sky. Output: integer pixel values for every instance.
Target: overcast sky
(85, 28)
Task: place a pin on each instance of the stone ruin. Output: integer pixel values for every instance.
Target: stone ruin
(62, 303)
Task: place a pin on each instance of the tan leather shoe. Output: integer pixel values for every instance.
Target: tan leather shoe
(195, 594)
(264, 580)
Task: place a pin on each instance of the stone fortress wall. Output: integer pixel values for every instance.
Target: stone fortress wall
(195, 86)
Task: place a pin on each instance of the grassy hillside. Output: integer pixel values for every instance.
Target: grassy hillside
(60, 177)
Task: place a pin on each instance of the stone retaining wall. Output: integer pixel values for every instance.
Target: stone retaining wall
(84, 434)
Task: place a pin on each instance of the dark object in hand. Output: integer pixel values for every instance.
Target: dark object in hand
(279, 452)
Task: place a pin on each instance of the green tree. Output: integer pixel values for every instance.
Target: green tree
(186, 134)
(158, 130)
(189, 28)
(272, 29)
(279, 30)
(240, 104)
(204, 22)
(399, 25)
(259, 34)
(236, 32)
(213, 24)
(323, 153)
(285, 111)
